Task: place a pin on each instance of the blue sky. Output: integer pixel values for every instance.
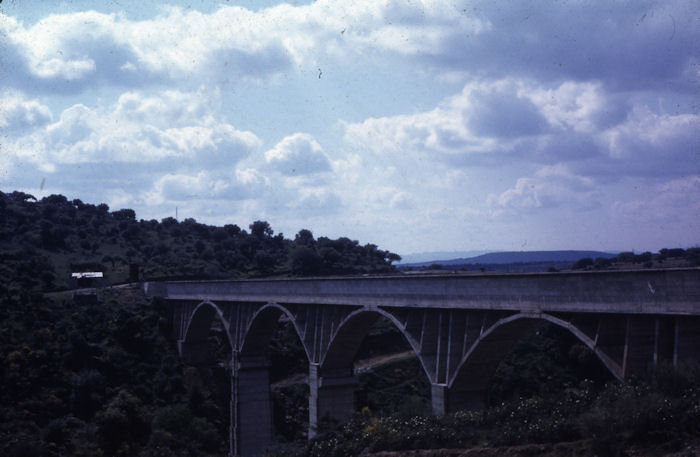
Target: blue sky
(415, 125)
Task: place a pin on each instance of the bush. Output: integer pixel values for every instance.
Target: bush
(583, 264)
(175, 427)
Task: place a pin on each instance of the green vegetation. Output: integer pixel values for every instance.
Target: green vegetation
(98, 375)
(45, 240)
(612, 420)
(549, 389)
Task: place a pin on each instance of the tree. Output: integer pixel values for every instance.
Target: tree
(305, 260)
(264, 262)
(21, 197)
(391, 257)
(124, 215)
(260, 230)
(583, 264)
(305, 237)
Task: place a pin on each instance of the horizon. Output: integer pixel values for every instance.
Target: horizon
(431, 255)
(419, 127)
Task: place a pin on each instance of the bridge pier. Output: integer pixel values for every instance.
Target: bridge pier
(331, 397)
(251, 420)
(445, 400)
(687, 340)
(641, 340)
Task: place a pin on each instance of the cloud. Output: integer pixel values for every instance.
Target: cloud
(596, 133)
(176, 139)
(207, 185)
(134, 131)
(500, 111)
(485, 118)
(297, 154)
(628, 45)
(639, 45)
(550, 187)
(313, 202)
(674, 203)
(70, 52)
(18, 115)
(168, 108)
(651, 144)
(582, 107)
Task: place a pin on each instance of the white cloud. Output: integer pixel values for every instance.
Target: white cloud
(675, 204)
(168, 108)
(484, 118)
(550, 187)
(297, 154)
(134, 131)
(651, 144)
(637, 45)
(206, 185)
(596, 133)
(17, 114)
(583, 107)
(316, 201)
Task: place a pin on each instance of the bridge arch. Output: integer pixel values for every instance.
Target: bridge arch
(193, 346)
(253, 405)
(352, 330)
(260, 329)
(468, 384)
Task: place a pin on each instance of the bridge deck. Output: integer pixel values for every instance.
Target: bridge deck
(657, 291)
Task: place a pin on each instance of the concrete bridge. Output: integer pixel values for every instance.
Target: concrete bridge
(460, 327)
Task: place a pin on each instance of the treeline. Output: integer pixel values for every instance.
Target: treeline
(45, 240)
(665, 258)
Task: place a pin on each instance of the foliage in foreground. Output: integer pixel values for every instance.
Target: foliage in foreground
(664, 410)
(95, 378)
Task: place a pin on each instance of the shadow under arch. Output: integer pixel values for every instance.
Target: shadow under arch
(209, 356)
(348, 337)
(193, 347)
(257, 410)
(336, 382)
(261, 328)
(468, 384)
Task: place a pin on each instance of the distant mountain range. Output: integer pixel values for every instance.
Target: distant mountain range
(508, 257)
(431, 256)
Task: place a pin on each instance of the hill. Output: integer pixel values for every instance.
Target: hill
(43, 242)
(421, 257)
(508, 257)
(99, 374)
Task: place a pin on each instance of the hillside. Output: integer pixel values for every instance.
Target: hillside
(42, 242)
(507, 257)
(99, 375)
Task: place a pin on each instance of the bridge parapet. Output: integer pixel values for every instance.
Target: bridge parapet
(659, 291)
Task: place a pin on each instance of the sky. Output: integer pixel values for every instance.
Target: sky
(434, 125)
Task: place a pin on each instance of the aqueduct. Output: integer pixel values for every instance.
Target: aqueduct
(459, 326)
